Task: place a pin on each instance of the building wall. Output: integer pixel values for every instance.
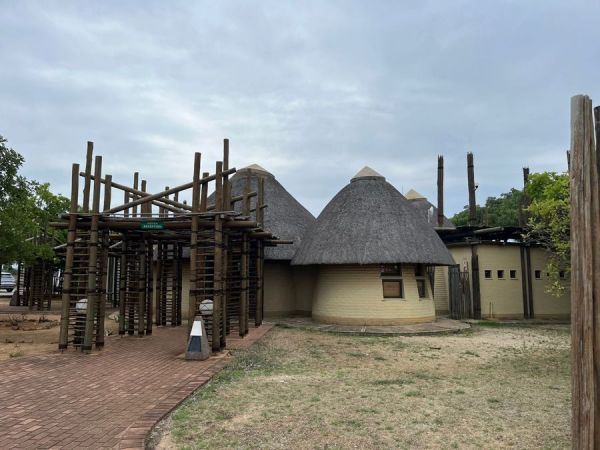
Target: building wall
(500, 297)
(304, 285)
(441, 297)
(280, 295)
(546, 305)
(503, 299)
(353, 295)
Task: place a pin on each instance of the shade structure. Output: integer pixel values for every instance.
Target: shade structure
(370, 222)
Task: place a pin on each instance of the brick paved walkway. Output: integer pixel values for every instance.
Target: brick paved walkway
(109, 399)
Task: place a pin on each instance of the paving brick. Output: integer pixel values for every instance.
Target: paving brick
(108, 399)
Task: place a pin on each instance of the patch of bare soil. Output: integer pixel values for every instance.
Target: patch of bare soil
(505, 387)
(25, 334)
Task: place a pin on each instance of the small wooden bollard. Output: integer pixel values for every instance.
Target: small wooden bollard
(197, 347)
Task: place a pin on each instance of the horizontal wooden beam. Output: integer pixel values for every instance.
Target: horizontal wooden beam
(135, 192)
(164, 193)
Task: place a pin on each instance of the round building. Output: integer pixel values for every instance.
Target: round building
(373, 255)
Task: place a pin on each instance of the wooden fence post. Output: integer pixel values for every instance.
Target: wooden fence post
(585, 276)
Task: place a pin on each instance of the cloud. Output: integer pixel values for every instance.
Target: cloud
(310, 91)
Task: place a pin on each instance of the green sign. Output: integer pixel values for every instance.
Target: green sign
(152, 225)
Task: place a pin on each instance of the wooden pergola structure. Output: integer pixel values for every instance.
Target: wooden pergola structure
(122, 247)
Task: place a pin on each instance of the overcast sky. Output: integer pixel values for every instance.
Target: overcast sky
(311, 90)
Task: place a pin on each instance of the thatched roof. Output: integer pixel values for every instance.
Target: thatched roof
(427, 209)
(370, 222)
(284, 217)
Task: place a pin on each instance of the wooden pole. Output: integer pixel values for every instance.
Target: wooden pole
(92, 270)
(218, 265)
(88, 171)
(471, 179)
(192, 307)
(225, 206)
(440, 192)
(68, 273)
(585, 275)
(104, 265)
(136, 177)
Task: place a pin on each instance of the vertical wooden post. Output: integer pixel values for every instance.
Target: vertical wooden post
(88, 176)
(218, 264)
(136, 177)
(104, 265)
(92, 270)
(585, 275)
(224, 206)
(141, 288)
(63, 341)
(194, 242)
(122, 284)
(245, 264)
(260, 254)
(475, 283)
(440, 192)
(471, 180)
(19, 284)
(125, 201)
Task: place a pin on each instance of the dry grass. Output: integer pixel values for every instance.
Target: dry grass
(505, 387)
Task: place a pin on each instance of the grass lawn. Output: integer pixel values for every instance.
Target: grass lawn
(489, 387)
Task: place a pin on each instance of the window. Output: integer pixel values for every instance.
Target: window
(422, 288)
(393, 286)
(487, 274)
(538, 274)
(393, 289)
(391, 270)
(513, 274)
(501, 274)
(421, 283)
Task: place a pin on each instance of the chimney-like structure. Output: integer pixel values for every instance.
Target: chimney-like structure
(524, 199)
(472, 187)
(440, 191)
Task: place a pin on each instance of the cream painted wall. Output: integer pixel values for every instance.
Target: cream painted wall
(441, 298)
(280, 295)
(304, 285)
(505, 297)
(353, 295)
(500, 298)
(545, 305)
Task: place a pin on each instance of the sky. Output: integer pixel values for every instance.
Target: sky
(311, 90)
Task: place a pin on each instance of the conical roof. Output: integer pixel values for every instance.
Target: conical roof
(413, 195)
(370, 222)
(285, 217)
(427, 210)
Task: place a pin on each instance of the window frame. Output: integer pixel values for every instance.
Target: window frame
(421, 268)
(487, 272)
(500, 274)
(392, 276)
(512, 272)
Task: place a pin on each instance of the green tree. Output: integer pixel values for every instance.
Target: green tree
(549, 223)
(26, 208)
(504, 210)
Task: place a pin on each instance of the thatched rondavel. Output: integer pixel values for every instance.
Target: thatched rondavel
(373, 252)
(287, 289)
(427, 209)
